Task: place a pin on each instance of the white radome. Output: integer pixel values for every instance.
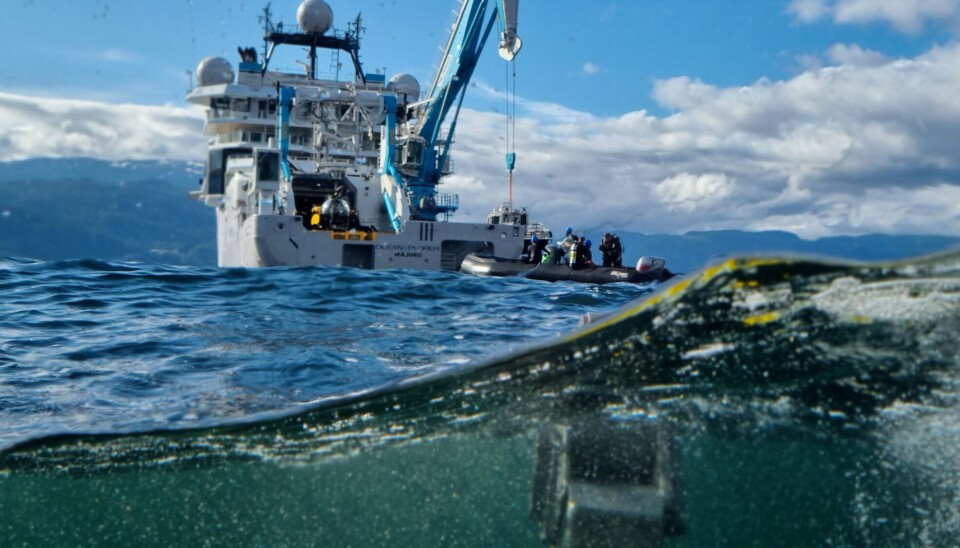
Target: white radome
(214, 70)
(314, 16)
(405, 84)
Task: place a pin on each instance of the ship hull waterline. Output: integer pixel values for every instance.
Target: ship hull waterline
(283, 240)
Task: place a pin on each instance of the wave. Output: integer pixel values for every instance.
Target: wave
(214, 344)
(797, 392)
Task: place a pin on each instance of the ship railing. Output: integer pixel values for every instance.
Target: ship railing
(447, 201)
(444, 133)
(447, 167)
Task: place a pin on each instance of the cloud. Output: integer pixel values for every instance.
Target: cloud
(114, 55)
(546, 112)
(907, 16)
(867, 144)
(590, 69)
(843, 54)
(48, 127)
(808, 11)
(689, 193)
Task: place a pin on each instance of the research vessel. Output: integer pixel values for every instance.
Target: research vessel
(344, 170)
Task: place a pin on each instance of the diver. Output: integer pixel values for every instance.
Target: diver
(612, 250)
(587, 253)
(580, 254)
(534, 251)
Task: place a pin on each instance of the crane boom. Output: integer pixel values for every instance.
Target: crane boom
(425, 140)
(509, 41)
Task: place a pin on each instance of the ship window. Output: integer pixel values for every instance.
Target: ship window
(219, 106)
(256, 136)
(215, 172)
(241, 105)
(272, 107)
(523, 219)
(268, 166)
(494, 219)
(217, 166)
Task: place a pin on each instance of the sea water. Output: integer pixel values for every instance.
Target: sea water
(97, 346)
(808, 402)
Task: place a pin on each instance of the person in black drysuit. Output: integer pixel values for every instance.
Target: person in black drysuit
(588, 253)
(612, 250)
(535, 249)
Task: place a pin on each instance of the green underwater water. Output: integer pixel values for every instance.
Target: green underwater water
(810, 403)
(468, 490)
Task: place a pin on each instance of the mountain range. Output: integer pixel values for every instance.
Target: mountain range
(80, 208)
(77, 208)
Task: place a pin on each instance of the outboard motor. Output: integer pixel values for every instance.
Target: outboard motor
(654, 266)
(335, 214)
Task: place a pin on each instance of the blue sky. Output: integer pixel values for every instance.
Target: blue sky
(816, 116)
(602, 59)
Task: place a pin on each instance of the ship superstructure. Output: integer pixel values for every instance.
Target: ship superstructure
(308, 170)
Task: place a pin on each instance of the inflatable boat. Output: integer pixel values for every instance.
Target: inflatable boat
(650, 269)
(488, 265)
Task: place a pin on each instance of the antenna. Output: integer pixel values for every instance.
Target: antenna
(267, 27)
(356, 27)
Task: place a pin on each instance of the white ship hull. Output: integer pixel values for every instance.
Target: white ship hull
(282, 240)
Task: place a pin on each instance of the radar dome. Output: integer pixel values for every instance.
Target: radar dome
(314, 16)
(214, 70)
(406, 84)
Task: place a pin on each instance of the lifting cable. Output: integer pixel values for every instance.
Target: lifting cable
(511, 104)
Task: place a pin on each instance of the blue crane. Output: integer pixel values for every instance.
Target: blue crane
(426, 143)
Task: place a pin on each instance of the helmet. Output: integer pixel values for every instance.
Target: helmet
(587, 243)
(534, 238)
(569, 230)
